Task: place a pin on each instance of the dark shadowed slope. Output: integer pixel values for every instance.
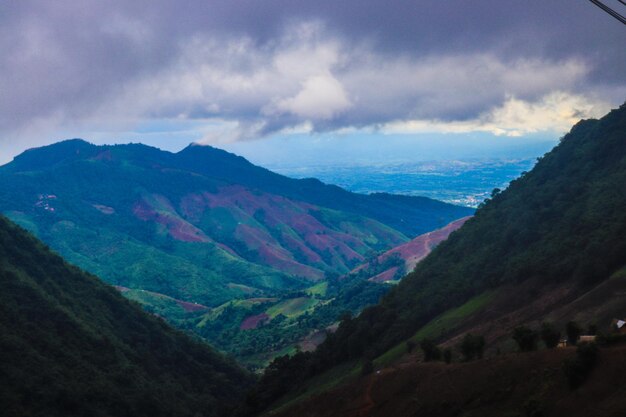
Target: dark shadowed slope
(71, 345)
(529, 384)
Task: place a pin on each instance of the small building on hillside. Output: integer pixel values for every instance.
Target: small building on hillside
(587, 339)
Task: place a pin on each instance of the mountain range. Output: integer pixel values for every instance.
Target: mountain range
(207, 240)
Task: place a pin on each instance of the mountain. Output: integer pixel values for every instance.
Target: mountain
(72, 345)
(205, 227)
(225, 227)
(550, 248)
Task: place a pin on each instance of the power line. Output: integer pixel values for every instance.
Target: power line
(610, 11)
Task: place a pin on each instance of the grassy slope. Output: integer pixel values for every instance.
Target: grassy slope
(437, 328)
(513, 385)
(292, 307)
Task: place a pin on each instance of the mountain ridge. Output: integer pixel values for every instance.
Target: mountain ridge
(223, 165)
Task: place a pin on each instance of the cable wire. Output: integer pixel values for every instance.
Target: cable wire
(610, 11)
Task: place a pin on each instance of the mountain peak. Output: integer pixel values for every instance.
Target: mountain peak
(195, 148)
(45, 156)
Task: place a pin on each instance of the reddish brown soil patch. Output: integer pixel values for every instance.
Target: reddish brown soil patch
(415, 250)
(253, 322)
(178, 228)
(385, 276)
(295, 230)
(272, 253)
(312, 341)
(191, 307)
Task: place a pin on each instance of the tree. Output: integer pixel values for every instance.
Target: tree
(573, 331)
(410, 345)
(525, 338)
(472, 346)
(430, 349)
(447, 355)
(550, 335)
(367, 368)
(592, 329)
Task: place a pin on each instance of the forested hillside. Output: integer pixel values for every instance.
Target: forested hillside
(562, 225)
(201, 225)
(71, 345)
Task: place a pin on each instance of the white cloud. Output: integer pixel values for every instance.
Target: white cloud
(321, 98)
(555, 112)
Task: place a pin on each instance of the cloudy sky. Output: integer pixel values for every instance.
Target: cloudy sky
(231, 72)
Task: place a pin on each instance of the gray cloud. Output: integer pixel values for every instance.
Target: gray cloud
(271, 65)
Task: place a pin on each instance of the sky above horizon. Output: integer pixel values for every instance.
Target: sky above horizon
(292, 79)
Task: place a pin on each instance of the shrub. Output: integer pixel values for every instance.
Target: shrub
(525, 338)
(550, 335)
(472, 346)
(430, 349)
(573, 331)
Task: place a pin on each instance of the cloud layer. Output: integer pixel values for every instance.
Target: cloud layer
(255, 68)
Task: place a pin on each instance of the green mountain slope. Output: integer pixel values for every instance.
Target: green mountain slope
(552, 237)
(205, 226)
(71, 345)
(200, 224)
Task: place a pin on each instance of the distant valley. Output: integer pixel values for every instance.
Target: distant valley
(465, 182)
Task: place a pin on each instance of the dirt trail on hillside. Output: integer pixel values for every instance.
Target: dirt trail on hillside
(369, 402)
(365, 399)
